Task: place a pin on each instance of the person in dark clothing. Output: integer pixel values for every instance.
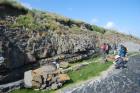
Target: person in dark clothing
(108, 48)
(119, 62)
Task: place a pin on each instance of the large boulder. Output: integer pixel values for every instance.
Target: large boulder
(45, 77)
(28, 78)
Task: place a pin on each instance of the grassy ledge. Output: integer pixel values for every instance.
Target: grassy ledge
(87, 72)
(91, 70)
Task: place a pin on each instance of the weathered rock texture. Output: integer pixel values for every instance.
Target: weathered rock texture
(26, 49)
(30, 39)
(20, 47)
(46, 77)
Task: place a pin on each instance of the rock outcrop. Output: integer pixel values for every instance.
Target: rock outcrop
(27, 50)
(31, 39)
(22, 47)
(46, 77)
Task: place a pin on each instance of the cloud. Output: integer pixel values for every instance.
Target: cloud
(120, 28)
(110, 25)
(94, 20)
(113, 26)
(27, 5)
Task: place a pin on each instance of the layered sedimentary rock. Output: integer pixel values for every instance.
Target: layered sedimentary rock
(31, 49)
(24, 51)
(46, 77)
(22, 47)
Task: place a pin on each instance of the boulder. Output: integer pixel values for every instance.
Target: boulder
(49, 68)
(33, 78)
(64, 64)
(37, 81)
(28, 79)
(54, 86)
(47, 75)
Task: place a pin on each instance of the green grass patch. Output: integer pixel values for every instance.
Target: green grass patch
(93, 69)
(85, 73)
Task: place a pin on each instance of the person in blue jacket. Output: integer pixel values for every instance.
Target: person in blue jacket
(122, 51)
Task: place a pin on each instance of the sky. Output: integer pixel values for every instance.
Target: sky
(121, 15)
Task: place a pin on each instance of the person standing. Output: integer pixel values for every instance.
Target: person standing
(103, 49)
(122, 51)
(114, 48)
(108, 48)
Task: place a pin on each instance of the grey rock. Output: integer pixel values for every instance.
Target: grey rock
(54, 86)
(28, 79)
(64, 64)
(11, 86)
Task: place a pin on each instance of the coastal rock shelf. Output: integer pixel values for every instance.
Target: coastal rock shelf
(119, 81)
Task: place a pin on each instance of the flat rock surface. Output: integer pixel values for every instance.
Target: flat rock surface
(119, 81)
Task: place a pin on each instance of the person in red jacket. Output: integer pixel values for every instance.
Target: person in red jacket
(103, 49)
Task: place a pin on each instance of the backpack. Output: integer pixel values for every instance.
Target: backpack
(124, 49)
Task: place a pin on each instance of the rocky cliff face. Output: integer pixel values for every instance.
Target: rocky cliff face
(30, 39)
(22, 47)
